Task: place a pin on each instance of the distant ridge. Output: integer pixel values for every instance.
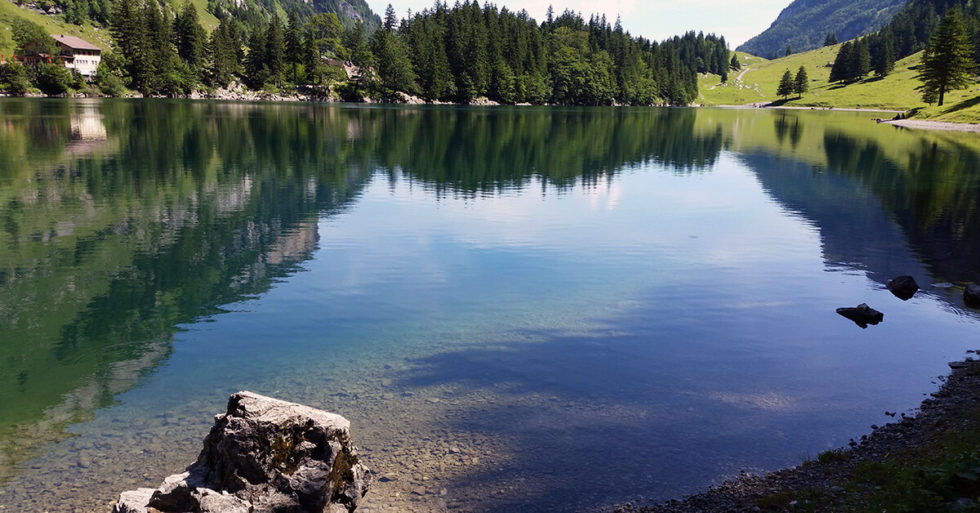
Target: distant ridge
(804, 24)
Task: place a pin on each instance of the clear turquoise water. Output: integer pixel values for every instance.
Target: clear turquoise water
(530, 309)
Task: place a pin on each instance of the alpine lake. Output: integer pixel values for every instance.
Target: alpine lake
(518, 309)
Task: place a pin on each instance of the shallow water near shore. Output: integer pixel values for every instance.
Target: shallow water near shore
(518, 309)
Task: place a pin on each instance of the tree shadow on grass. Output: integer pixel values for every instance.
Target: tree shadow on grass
(965, 104)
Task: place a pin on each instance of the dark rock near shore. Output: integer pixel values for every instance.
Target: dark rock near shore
(903, 287)
(971, 296)
(264, 456)
(862, 315)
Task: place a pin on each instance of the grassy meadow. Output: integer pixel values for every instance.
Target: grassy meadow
(759, 78)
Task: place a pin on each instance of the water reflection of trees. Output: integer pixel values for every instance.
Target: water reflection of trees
(471, 151)
(103, 255)
(933, 196)
(791, 127)
(167, 210)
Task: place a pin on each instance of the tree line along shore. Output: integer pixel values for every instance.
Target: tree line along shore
(444, 54)
(469, 54)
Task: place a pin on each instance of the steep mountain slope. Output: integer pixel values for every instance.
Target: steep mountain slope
(349, 11)
(804, 24)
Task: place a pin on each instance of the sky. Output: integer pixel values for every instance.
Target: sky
(737, 20)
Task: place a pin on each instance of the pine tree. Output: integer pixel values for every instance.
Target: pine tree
(428, 52)
(130, 36)
(394, 66)
(294, 44)
(830, 40)
(789, 50)
(190, 36)
(158, 72)
(312, 64)
(223, 55)
(801, 82)
(838, 72)
(859, 63)
(882, 47)
(356, 42)
(256, 69)
(735, 65)
(275, 50)
(946, 62)
(785, 85)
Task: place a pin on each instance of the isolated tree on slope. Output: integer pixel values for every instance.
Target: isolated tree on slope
(800, 83)
(946, 62)
(785, 85)
(735, 65)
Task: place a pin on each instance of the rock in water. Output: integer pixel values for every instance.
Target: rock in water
(971, 296)
(264, 456)
(862, 315)
(903, 287)
(133, 501)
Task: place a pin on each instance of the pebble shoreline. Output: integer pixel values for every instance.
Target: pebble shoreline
(949, 407)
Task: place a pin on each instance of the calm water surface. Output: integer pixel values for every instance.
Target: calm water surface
(518, 309)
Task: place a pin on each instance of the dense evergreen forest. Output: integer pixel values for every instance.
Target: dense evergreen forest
(449, 54)
(908, 32)
(465, 52)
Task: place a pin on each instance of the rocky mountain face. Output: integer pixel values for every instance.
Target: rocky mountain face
(804, 24)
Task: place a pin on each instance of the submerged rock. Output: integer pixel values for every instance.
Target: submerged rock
(264, 455)
(862, 315)
(903, 287)
(971, 296)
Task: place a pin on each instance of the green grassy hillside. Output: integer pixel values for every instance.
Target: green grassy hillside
(94, 34)
(759, 78)
(53, 24)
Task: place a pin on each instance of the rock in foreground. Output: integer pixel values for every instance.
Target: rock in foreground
(264, 456)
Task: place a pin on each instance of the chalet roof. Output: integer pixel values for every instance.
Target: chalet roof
(75, 43)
